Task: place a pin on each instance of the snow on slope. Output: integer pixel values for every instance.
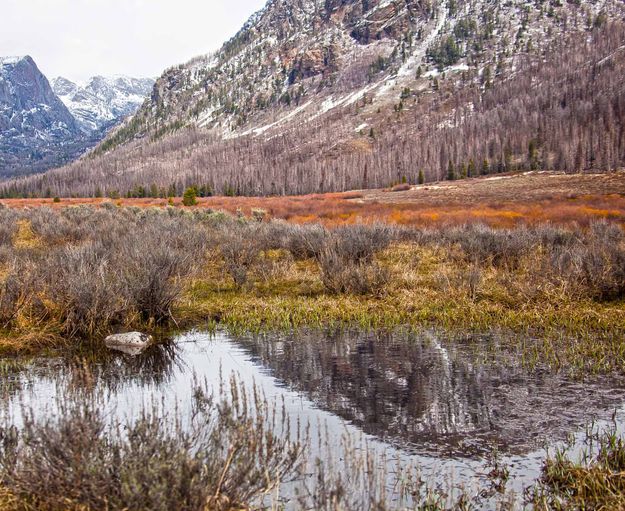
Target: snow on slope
(37, 130)
(297, 61)
(100, 103)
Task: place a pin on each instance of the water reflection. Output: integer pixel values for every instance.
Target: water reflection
(422, 393)
(414, 398)
(154, 365)
(86, 370)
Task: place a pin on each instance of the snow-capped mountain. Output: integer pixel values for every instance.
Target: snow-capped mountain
(102, 102)
(36, 129)
(296, 60)
(44, 126)
(330, 95)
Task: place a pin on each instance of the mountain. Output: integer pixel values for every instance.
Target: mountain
(303, 58)
(44, 125)
(37, 130)
(328, 95)
(101, 102)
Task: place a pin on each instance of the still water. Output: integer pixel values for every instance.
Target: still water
(441, 407)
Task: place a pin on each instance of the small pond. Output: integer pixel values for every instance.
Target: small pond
(440, 406)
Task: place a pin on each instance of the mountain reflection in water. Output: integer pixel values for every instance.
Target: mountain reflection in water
(427, 395)
(420, 393)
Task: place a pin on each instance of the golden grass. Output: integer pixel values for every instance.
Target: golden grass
(428, 289)
(25, 238)
(595, 484)
(9, 502)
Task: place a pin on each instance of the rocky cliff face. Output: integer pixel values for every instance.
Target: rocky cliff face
(289, 51)
(102, 102)
(36, 128)
(44, 126)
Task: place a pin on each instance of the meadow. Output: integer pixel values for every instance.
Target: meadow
(73, 275)
(544, 269)
(502, 201)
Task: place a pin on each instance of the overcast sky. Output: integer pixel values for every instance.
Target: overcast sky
(81, 38)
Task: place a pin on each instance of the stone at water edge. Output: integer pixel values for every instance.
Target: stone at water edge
(133, 339)
(133, 351)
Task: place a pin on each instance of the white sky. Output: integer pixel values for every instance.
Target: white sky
(81, 38)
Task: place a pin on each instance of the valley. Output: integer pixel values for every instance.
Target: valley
(365, 255)
(505, 200)
(310, 102)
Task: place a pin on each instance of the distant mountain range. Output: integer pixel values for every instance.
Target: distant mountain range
(101, 102)
(329, 95)
(44, 126)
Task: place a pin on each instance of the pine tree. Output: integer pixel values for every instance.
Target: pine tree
(471, 169)
(485, 167)
(451, 171)
(190, 196)
(532, 153)
(421, 178)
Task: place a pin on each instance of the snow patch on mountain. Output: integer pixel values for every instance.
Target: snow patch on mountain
(36, 129)
(100, 102)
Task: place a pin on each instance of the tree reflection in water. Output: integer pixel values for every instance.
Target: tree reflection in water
(431, 395)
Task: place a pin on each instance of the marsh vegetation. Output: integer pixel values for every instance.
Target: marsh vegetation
(549, 298)
(351, 421)
(73, 275)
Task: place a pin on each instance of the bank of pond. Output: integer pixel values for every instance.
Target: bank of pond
(312, 419)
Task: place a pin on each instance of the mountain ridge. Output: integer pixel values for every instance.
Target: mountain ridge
(40, 130)
(290, 50)
(101, 102)
(313, 96)
(35, 126)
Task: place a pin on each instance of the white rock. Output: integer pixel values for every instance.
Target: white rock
(130, 339)
(133, 351)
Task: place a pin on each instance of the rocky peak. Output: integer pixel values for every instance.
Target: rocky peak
(63, 86)
(358, 65)
(102, 102)
(44, 125)
(36, 129)
(26, 97)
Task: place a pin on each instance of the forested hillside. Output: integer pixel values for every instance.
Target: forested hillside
(314, 97)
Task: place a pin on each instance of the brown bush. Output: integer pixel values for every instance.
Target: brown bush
(240, 244)
(225, 456)
(594, 263)
(92, 270)
(346, 259)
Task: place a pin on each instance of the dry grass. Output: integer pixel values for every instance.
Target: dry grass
(433, 286)
(232, 448)
(594, 482)
(95, 270)
(499, 201)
